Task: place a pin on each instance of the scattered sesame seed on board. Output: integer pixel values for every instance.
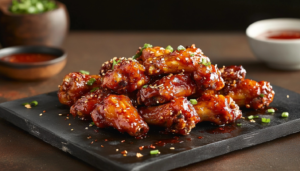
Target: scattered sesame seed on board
(28, 106)
(172, 148)
(139, 155)
(117, 149)
(59, 114)
(287, 96)
(41, 114)
(72, 129)
(86, 128)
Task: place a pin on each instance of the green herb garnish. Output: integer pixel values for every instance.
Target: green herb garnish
(91, 81)
(169, 48)
(261, 95)
(285, 114)
(192, 54)
(31, 6)
(94, 89)
(115, 63)
(146, 45)
(92, 123)
(180, 47)
(204, 62)
(145, 86)
(271, 110)
(239, 124)
(193, 101)
(250, 117)
(84, 72)
(25, 104)
(265, 120)
(34, 103)
(154, 152)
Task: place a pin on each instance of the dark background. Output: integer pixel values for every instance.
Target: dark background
(212, 15)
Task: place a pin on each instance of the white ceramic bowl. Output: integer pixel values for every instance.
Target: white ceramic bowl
(277, 53)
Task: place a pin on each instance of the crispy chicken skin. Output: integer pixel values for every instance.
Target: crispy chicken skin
(175, 62)
(249, 93)
(87, 103)
(127, 76)
(75, 85)
(178, 116)
(166, 89)
(117, 111)
(233, 74)
(152, 52)
(208, 77)
(217, 109)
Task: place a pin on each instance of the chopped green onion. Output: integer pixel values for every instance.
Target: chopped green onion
(169, 48)
(115, 63)
(261, 95)
(193, 101)
(34, 103)
(192, 54)
(145, 86)
(204, 62)
(265, 120)
(91, 81)
(256, 116)
(250, 117)
(146, 45)
(25, 104)
(154, 152)
(92, 123)
(285, 114)
(84, 72)
(94, 89)
(239, 124)
(180, 47)
(32, 6)
(271, 110)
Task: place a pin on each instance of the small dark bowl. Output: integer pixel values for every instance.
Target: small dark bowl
(32, 71)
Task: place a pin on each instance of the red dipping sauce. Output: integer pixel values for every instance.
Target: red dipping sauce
(28, 58)
(281, 34)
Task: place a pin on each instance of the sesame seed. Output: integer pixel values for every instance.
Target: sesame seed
(287, 96)
(157, 101)
(90, 125)
(86, 128)
(72, 129)
(150, 62)
(139, 155)
(59, 114)
(117, 149)
(69, 124)
(67, 117)
(172, 148)
(178, 58)
(41, 114)
(28, 106)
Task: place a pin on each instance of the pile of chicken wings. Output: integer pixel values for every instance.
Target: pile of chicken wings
(174, 89)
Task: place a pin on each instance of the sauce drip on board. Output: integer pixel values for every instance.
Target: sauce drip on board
(281, 34)
(28, 58)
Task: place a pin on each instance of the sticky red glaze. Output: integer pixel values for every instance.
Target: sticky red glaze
(153, 52)
(74, 86)
(217, 109)
(117, 111)
(87, 103)
(233, 73)
(175, 62)
(208, 77)
(166, 89)
(248, 93)
(127, 76)
(178, 116)
(281, 34)
(28, 58)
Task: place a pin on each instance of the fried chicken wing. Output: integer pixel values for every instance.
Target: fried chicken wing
(87, 103)
(249, 93)
(118, 112)
(127, 76)
(176, 62)
(217, 109)
(233, 74)
(166, 89)
(75, 85)
(208, 77)
(178, 116)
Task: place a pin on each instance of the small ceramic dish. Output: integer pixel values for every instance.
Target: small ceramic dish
(281, 54)
(36, 70)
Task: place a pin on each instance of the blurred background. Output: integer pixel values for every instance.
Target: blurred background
(176, 15)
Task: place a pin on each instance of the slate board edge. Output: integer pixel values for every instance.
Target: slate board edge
(175, 160)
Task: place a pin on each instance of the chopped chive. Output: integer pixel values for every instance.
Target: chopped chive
(271, 110)
(265, 120)
(94, 89)
(115, 63)
(146, 45)
(256, 116)
(285, 114)
(192, 54)
(154, 152)
(239, 124)
(250, 117)
(180, 47)
(91, 81)
(169, 48)
(92, 123)
(34, 103)
(261, 95)
(25, 104)
(84, 72)
(193, 101)
(204, 62)
(145, 86)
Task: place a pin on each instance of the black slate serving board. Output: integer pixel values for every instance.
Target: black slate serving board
(215, 141)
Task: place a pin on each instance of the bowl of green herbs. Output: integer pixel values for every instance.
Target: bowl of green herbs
(33, 22)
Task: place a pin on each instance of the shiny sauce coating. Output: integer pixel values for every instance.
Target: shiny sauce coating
(28, 58)
(281, 34)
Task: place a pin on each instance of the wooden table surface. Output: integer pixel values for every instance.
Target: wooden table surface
(88, 50)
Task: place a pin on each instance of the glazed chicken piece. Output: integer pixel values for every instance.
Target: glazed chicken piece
(176, 62)
(233, 74)
(75, 85)
(178, 116)
(126, 76)
(87, 103)
(217, 109)
(208, 77)
(117, 111)
(166, 89)
(152, 52)
(249, 93)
